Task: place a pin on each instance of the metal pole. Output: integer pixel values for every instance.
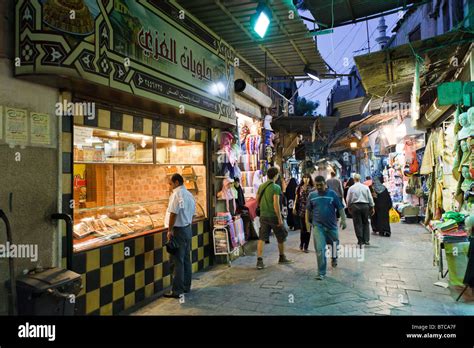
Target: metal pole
(368, 39)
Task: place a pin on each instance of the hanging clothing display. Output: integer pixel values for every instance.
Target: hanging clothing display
(248, 158)
(448, 159)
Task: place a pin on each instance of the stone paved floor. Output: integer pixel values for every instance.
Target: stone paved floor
(395, 278)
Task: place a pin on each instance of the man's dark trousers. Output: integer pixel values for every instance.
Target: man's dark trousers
(182, 265)
(360, 215)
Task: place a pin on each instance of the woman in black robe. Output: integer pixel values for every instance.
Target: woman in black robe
(290, 194)
(380, 221)
(349, 183)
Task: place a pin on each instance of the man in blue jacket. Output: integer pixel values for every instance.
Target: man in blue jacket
(323, 203)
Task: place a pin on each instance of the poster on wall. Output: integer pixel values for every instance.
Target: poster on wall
(40, 129)
(1, 122)
(16, 126)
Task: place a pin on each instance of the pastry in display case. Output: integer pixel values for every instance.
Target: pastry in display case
(200, 212)
(157, 211)
(81, 230)
(170, 170)
(105, 223)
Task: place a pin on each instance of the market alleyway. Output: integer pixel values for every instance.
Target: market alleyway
(395, 278)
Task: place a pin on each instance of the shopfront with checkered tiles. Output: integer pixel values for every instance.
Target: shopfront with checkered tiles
(120, 277)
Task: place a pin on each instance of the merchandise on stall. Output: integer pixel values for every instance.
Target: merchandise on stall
(228, 193)
(249, 158)
(448, 162)
(443, 163)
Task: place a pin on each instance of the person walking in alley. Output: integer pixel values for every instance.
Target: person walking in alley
(349, 183)
(268, 198)
(321, 218)
(361, 205)
(383, 203)
(290, 194)
(179, 217)
(304, 189)
(336, 185)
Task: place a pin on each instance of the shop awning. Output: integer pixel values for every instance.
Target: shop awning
(348, 108)
(373, 120)
(304, 124)
(391, 71)
(341, 12)
(295, 124)
(288, 45)
(342, 139)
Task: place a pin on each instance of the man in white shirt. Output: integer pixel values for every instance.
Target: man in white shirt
(179, 217)
(361, 205)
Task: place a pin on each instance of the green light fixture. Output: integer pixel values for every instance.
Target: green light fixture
(261, 20)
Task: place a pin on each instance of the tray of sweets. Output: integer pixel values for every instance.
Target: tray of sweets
(94, 225)
(81, 230)
(110, 233)
(108, 221)
(137, 223)
(188, 171)
(122, 229)
(171, 170)
(158, 220)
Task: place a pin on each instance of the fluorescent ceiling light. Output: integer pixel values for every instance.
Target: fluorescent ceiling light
(312, 74)
(261, 20)
(366, 106)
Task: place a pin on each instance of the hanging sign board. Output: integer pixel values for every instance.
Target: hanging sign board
(450, 93)
(142, 47)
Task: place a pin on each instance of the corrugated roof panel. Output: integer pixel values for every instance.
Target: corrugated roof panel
(288, 54)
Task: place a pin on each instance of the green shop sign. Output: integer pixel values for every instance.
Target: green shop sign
(149, 48)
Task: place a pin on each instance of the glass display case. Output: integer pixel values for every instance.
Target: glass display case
(93, 145)
(120, 186)
(95, 226)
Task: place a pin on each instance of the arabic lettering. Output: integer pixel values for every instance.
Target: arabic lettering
(152, 47)
(198, 69)
(158, 47)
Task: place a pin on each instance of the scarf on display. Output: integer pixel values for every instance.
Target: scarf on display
(252, 143)
(227, 194)
(378, 186)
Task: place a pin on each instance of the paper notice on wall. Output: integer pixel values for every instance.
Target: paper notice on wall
(1, 122)
(40, 129)
(16, 126)
(81, 134)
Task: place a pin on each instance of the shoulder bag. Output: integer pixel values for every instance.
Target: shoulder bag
(257, 211)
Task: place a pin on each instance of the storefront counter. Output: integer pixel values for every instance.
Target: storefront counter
(120, 166)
